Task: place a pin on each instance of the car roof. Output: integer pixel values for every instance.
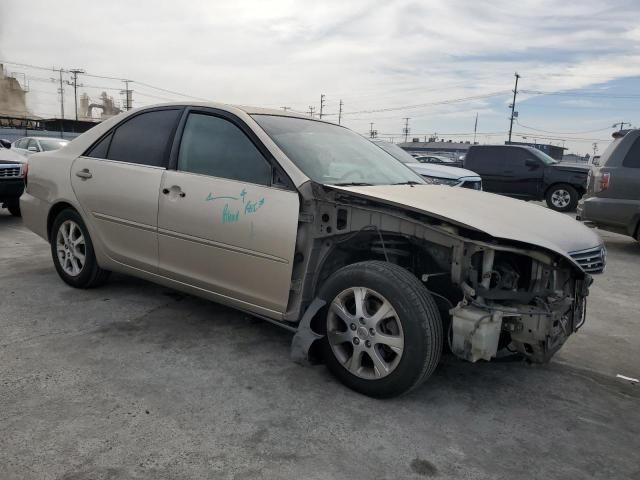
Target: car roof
(47, 138)
(251, 110)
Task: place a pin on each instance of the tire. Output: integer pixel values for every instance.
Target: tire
(414, 328)
(14, 209)
(74, 272)
(562, 197)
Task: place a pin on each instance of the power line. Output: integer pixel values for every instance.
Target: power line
(173, 92)
(107, 77)
(583, 94)
(562, 133)
(428, 104)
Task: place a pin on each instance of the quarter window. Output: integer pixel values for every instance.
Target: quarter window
(632, 159)
(101, 148)
(143, 139)
(214, 146)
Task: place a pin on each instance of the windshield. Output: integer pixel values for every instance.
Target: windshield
(334, 155)
(396, 152)
(51, 144)
(543, 156)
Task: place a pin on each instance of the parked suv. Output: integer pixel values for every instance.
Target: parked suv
(612, 201)
(12, 170)
(528, 174)
(314, 228)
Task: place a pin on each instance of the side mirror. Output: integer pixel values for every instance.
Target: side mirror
(32, 149)
(532, 164)
(5, 143)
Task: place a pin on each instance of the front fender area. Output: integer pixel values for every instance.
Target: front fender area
(554, 177)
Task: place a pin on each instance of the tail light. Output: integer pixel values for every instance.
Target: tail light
(25, 172)
(602, 182)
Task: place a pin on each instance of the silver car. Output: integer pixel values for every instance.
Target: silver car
(433, 173)
(312, 227)
(30, 145)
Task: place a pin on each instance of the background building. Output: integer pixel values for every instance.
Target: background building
(12, 96)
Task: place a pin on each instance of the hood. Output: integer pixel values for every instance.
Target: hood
(498, 216)
(441, 171)
(9, 156)
(572, 167)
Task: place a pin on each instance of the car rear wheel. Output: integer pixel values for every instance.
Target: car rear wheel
(383, 329)
(72, 252)
(562, 198)
(14, 209)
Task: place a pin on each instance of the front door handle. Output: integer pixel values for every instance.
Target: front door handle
(176, 189)
(84, 174)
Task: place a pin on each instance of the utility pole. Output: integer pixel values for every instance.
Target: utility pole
(61, 90)
(127, 95)
(321, 104)
(475, 129)
(75, 73)
(311, 110)
(340, 111)
(513, 106)
(622, 124)
(405, 130)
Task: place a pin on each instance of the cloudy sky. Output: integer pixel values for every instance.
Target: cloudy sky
(436, 62)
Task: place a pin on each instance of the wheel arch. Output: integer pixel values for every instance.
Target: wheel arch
(578, 188)
(54, 211)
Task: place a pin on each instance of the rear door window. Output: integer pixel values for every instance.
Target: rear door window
(632, 159)
(489, 159)
(516, 159)
(144, 139)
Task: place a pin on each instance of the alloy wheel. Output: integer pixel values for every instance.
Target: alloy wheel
(365, 333)
(71, 248)
(560, 198)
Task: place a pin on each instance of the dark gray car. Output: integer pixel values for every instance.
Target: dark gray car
(612, 201)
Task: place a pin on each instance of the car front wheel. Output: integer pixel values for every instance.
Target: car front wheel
(383, 329)
(72, 252)
(562, 198)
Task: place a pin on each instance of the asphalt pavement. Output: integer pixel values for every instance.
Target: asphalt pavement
(137, 381)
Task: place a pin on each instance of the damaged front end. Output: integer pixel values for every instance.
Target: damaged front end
(523, 300)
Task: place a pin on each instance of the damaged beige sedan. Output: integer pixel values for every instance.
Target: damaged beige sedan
(312, 227)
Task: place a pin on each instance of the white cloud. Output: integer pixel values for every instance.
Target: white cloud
(371, 53)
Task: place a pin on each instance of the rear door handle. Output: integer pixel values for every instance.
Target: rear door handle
(84, 174)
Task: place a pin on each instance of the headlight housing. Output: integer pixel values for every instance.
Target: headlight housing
(440, 181)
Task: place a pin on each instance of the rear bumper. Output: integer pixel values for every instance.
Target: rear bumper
(611, 214)
(34, 214)
(11, 189)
